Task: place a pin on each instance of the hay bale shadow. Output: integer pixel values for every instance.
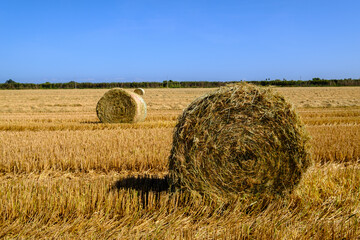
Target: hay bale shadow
(144, 185)
(90, 122)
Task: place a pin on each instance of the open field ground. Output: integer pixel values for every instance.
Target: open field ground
(65, 175)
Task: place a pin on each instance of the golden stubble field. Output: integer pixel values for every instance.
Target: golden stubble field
(65, 175)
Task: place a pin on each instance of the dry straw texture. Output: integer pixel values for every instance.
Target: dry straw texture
(121, 106)
(238, 139)
(139, 91)
(61, 173)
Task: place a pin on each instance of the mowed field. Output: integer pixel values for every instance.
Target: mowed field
(65, 175)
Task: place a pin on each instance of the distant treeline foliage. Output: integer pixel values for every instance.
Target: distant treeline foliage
(315, 82)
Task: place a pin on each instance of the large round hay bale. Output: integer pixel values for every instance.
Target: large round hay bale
(121, 106)
(239, 139)
(139, 91)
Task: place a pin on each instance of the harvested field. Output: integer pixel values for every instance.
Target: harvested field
(63, 174)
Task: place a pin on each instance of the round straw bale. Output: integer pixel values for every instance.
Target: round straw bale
(121, 106)
(239, 139)
(139, 91)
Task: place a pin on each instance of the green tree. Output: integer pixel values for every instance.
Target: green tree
(10, 81)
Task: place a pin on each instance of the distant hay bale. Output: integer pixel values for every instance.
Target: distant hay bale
(139, 91)
(121, 106)
(239, 139)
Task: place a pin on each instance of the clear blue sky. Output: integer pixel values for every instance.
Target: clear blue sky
(196, 40)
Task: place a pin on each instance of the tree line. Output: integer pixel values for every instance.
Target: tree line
(315, 82)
